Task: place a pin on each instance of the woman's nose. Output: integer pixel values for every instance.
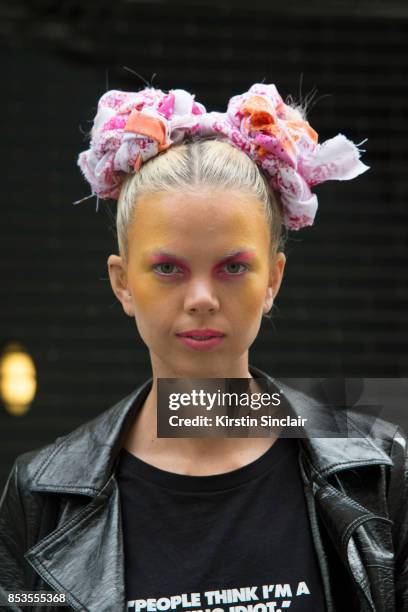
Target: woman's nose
(201, 296)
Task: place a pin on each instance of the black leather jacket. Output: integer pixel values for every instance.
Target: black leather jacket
(60, 516)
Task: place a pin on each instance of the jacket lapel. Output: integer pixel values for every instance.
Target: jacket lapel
(83, 556)
(361, 536)
(90, 451)
(364, 542)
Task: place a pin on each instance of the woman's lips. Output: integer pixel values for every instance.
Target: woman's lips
(201, 345)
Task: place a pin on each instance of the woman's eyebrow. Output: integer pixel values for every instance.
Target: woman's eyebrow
(240, 252)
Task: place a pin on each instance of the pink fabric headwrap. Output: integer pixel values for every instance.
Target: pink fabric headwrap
(130, 128)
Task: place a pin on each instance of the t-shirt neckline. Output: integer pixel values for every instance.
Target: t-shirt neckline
(133, 467)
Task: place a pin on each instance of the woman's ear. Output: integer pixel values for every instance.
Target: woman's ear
(277, 266)
(118, 281)
(268, 302)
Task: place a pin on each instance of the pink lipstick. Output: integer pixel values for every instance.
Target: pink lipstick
(201, 339)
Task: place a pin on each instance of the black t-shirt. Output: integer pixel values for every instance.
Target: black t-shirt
(239, 541)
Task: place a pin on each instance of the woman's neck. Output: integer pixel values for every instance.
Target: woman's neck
(192, 456)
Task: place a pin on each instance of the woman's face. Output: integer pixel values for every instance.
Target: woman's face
(197, 260)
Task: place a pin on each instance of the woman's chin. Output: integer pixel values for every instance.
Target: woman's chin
(206, 366)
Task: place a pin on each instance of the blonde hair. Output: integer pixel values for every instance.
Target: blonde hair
(199, 162)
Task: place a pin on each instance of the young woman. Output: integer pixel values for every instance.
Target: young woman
(113, 517)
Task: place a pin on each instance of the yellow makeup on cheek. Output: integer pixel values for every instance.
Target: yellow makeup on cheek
(148, 291)
(148, 288)
(250, 293)
(147, 234)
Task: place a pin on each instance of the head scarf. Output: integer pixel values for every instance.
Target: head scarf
(131, 128)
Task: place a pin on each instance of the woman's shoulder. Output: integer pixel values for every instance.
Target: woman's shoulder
(78, 451)
(390, 436)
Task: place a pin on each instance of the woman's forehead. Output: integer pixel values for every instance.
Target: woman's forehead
(208, 212)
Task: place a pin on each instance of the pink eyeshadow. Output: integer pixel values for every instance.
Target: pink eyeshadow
(162, 259)
(243, 257)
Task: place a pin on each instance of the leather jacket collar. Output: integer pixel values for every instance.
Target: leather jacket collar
(91, 450)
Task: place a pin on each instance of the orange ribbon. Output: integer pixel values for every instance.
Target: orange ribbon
(149, 126)
(262, 117)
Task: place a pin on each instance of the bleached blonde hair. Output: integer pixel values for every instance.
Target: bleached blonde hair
(193, 164)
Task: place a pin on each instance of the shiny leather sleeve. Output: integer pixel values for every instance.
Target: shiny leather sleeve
(12, 536)
(398, 503)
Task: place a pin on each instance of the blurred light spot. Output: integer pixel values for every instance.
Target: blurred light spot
(18, 380)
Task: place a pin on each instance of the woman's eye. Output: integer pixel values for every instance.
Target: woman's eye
(165, 266)
(169, 269)
(235, 270)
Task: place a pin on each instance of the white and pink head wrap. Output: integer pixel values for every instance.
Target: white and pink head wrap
(130, 128)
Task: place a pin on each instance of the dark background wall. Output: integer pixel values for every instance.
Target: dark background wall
(342, 308)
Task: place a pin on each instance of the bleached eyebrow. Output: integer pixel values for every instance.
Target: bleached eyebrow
(227, 255)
